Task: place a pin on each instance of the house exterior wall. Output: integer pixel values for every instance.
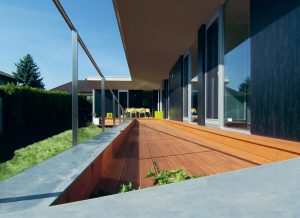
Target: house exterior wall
(137, 99)
(108, 102)
(165, 97)
(201, 75)
(4, 80)
(175, 91)
(275, 73)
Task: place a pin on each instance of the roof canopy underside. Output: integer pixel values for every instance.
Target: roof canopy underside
(155, 33)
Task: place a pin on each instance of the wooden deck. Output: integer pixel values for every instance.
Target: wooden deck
(200, 150)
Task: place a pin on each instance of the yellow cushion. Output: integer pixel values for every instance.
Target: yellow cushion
(159, 115)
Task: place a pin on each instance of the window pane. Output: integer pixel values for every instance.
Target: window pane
(212, 71)
(237, 63)
(185, 85)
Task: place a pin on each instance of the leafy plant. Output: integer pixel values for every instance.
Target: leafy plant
(168, 176)
(126, 188)
(163, 177)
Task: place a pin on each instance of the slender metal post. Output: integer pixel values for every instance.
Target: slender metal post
(76, 38)
(114, 110)
(94, 103)
(221, 68)
(74, 87)
(190, 91)
(123, 117)
(103, 103)
(120, 112)
(1, 116)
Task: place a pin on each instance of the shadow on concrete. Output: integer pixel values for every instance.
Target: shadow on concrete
(29, 197)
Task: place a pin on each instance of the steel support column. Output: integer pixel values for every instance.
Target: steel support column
(114, 111)
(103, 103)
(74, 87)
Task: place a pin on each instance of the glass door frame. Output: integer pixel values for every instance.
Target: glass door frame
(220, 121)
(127, 102)
(188, 88)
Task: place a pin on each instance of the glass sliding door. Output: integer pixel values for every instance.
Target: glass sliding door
(212, 69)
(185, 81)
(237, 64)
(194, 97)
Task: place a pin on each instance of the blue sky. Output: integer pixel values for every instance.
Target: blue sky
(36, 27)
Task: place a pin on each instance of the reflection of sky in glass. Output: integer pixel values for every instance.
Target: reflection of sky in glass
(237, 65)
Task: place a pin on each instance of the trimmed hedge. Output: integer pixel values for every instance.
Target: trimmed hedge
(31, 114)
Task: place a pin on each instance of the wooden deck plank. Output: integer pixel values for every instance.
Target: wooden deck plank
(191, 147)
(145, 166)
(266, 141)
(143, 150)
(131, 168)
(208, 143)
(199, 150)
(110, 181)
(267, 152)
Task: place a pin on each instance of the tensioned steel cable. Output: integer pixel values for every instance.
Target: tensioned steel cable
(83, 46)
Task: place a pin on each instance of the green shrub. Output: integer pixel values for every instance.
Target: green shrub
(31, 115)
(25, 108)
(25, 158)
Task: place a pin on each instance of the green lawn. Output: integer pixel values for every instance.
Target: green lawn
(31, 155)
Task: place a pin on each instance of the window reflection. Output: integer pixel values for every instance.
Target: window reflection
(194, 99)
(237, 64)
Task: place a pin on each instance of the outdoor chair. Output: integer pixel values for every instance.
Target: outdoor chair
(147, 112)
(131, 112)
(142, 111)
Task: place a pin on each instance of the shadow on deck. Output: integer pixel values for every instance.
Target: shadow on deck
(199, 150)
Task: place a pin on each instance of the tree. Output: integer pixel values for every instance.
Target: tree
(244, 86)
(28, 73)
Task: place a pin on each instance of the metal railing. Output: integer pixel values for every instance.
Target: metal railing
(75, 40)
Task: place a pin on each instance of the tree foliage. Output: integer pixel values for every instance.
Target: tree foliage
(27, 73)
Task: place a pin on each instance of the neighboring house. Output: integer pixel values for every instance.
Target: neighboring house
(6, 78)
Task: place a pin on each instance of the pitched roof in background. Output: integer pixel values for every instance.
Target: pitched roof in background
(6, 75)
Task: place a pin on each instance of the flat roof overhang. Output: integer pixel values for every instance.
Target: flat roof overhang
(156, 33)
(87, 86)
